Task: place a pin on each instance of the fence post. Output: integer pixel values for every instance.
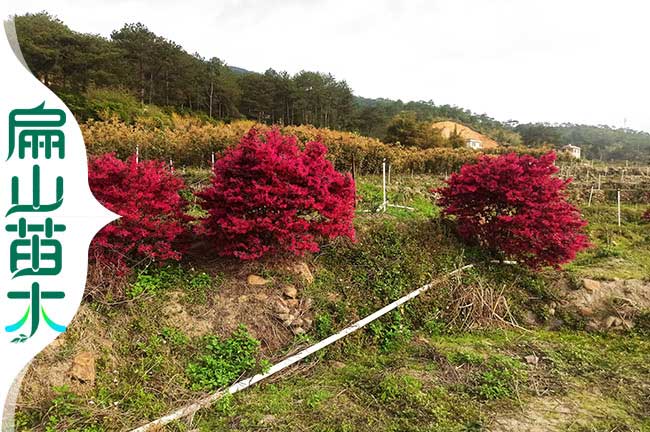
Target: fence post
(618, 198)
(383, 168)
(598, 181)
(591, 193)
(212, 160)
(137, 153)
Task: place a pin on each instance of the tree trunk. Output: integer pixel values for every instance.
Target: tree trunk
(211, 96)
(141, 82)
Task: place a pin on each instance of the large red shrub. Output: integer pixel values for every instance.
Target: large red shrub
(146, 195)
(515, 207)
(268, 196)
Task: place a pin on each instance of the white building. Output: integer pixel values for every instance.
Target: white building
(573, 150)
(474, 144)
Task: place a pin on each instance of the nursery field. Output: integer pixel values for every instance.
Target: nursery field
(498, 348)
(261, 214)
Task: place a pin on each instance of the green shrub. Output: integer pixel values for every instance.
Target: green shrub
(224, 360)
(501, 378)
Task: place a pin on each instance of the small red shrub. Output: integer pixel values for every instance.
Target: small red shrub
(513, 206)
(268, 196)
(646, 216)
(146, 195)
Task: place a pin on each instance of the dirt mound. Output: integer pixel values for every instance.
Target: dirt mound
(610, 304)
(448, 127)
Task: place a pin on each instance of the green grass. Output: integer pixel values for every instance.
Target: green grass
(617, 252)
(434, 384)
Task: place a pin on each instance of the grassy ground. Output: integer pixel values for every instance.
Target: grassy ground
(619, 252)
(450, 360)
(458, 382)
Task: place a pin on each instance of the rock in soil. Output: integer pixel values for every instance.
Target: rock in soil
(256, 280)
(302, 270)
(285, 317)
(532, 359)
(83, 367)
(280, 308)
(290, 291)
(591, 285)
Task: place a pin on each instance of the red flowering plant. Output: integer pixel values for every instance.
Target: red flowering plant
(268, 196)
(514, 206)
(146, 196)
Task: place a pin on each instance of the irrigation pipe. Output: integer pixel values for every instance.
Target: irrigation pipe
(244, 384)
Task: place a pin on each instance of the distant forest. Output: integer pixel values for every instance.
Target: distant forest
(156, 71)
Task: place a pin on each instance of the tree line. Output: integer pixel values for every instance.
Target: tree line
(136, 63)
(158, 71)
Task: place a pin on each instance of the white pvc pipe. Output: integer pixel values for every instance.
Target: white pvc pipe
(244, 384)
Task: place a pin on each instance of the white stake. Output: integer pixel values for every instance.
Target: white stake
(171, 165)
(209, 400)
(619, 206)
(591, 193)
(598, 181)
(212, 159)
(137, 154)
(384, 202)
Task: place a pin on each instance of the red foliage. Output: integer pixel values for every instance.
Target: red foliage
(513, 206)
(146, 195)
(268, 196)
(646, 215)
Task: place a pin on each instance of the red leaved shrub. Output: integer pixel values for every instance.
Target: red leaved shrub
(513, 206)
(268, 196)
(146, 195)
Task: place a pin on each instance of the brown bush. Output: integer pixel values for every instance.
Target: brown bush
(190, 141)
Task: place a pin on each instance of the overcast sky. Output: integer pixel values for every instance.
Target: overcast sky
(551, 60)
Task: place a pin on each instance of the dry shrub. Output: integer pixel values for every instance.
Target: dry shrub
(107, 282)
(190, 141)
(478, 305)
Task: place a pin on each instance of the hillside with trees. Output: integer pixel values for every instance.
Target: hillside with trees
(158, 72)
